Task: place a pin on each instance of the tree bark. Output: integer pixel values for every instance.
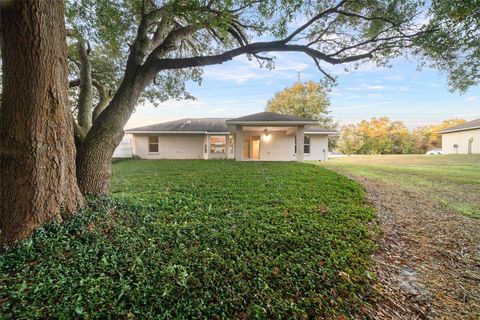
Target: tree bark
(85, 98)
(37, 154)
(94, 157)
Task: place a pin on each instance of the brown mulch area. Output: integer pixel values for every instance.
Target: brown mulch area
(428, 261)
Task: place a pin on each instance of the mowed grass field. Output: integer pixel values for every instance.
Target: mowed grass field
(451, 180)
(201, 240)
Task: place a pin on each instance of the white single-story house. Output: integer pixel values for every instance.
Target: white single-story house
(461, 139)
(265, 136)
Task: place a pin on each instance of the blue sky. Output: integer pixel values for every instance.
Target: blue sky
(240, 87)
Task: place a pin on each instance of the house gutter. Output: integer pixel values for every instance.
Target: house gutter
(458, 130)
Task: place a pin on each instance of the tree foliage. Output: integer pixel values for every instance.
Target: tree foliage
(454, 47)
(427, 137)
(309, 100)
(376, 136)
(383, 136)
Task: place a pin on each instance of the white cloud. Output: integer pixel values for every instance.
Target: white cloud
(141, 119)
(362, 106)
(240, 75)
(148, 106)
(351, 68)
(353, 96)
(364, 87)
(376, 87)
(396, 77)
(470, 99)
(218, 110)
(241, 69)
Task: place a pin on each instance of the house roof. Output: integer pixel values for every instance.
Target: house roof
(470, 125)
(219, 125)
(188, 125)
(269, 117)
(319, 130)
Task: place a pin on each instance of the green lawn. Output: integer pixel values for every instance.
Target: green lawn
(200, 239)
(451, 180)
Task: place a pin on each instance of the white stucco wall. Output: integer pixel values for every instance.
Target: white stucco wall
(170, 146)
(318, 147)
(461, 139)
(279, 146)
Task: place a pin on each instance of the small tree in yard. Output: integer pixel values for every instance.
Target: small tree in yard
(155, 46)
(37, 153)
(308, 100)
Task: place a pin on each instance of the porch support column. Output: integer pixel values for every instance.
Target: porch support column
(227, 145)
(238, 143)
(300, 140)
(208, 146)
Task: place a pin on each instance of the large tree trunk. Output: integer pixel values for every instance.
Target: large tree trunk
(94, 156)
(37, 154)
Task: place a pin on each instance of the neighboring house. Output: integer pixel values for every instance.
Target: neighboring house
(461, 139)
(266, 136)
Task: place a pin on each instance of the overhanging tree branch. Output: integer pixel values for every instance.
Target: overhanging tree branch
(156, 65)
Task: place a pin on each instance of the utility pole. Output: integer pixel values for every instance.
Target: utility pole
(298, 76)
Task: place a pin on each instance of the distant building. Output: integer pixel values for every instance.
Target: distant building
(461, 139)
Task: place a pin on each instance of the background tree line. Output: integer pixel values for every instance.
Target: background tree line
(384, 136)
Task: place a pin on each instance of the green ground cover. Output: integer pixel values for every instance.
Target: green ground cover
(200, 239)
(451, 180)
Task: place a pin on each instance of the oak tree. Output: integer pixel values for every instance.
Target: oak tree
(37, 153)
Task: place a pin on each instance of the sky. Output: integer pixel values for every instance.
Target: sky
(401, 92)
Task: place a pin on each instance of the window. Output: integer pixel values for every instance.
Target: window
(217, 144)
(306, 144)
(152, 144)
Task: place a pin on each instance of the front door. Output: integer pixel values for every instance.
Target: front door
(246, 148)
(251, 148)
(255, 148)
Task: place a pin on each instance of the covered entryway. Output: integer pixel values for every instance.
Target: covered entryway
(269, 136)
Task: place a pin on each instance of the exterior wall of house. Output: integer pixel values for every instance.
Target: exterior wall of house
(460, 139)
(170, 146)
(279, 146)
(318, 147)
